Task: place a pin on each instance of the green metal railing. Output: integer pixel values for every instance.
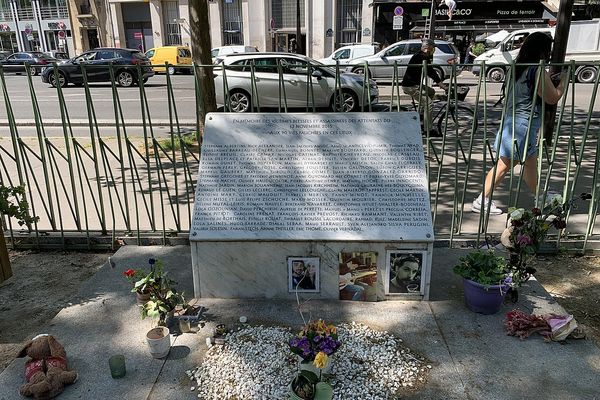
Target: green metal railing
(107, 174)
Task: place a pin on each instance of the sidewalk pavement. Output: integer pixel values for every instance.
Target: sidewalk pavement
(471, 355)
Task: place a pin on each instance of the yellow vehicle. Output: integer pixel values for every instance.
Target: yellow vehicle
(179, 59)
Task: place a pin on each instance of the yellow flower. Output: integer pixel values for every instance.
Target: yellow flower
(320, 360)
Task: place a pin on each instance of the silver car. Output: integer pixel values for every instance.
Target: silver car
(351, 92)
(381, 65)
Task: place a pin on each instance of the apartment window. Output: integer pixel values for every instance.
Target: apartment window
(349, 18)
(283, 13)
(232, 22)
(172, 27)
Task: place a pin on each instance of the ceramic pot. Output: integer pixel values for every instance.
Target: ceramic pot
(142, 298)
(483, 299)
(159, 341)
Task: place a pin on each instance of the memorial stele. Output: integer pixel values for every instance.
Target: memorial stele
(272, 186)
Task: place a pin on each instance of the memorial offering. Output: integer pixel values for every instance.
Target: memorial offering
(358, 276)
(303, 273)
(403, 272)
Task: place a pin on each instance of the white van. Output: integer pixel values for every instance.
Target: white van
(347, 53)
(224, 50)
(583, 46)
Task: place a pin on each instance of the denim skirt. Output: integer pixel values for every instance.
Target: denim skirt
(521, 132)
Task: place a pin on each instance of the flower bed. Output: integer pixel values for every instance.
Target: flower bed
(256, 363)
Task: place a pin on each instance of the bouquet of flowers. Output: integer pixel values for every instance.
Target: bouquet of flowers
(316, 342)
(526, 233)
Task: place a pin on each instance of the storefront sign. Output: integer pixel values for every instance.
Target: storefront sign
(501, 10)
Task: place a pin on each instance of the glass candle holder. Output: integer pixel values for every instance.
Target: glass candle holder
(117, 366)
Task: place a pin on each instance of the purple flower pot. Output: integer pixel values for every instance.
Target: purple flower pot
(483, 299)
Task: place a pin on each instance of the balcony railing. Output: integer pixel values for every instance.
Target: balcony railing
(6, 14)
(54, 12)
(25, 13)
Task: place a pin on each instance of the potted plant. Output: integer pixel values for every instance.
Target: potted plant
(142, 292)
(163, 301)
(485, 280)
(314, 346)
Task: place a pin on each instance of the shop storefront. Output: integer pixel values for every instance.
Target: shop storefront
(8, 38)
(470, 19)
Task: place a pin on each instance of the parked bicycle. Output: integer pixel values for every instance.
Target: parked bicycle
(450, 113)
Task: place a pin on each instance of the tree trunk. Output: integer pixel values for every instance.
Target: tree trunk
(299, 44)
(200, 33)
(561, 36)
(5, 270)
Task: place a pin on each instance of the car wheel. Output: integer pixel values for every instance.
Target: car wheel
(496, 74)
(239, 102)
(171, 70)
(33, 71)
(440, 72)
(587, 75)
(344, 102)
(61, 80)
(125, 78)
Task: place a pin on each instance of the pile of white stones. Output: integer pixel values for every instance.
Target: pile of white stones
(256, 363)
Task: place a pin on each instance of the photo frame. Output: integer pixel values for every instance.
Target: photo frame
(403, 270)
(304, 274)
(358, 275)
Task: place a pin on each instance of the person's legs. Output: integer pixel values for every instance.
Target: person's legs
(358, 292)
(492, 180)
(495, 175)
(530, 173)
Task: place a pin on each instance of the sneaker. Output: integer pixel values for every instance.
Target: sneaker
(476, 207)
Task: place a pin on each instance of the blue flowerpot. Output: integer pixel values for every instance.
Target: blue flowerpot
(483, 299)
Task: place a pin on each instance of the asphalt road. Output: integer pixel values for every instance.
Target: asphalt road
(158, 108)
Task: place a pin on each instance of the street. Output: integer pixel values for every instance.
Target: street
(183, 93)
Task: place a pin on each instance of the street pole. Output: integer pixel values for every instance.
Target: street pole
(561, 37)
(432, 19)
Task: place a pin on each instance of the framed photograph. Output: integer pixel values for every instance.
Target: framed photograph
(304, 274)
(358, 276)
(403, 272)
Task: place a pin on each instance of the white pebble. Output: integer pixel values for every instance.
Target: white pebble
(243, 319)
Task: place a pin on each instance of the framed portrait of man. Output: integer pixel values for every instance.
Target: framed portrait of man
(304, 274)
(403, 272)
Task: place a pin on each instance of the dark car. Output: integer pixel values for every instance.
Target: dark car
(17, 62)
(97, 68)
(4, 54)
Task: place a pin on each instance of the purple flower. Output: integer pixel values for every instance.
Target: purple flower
(523, 240)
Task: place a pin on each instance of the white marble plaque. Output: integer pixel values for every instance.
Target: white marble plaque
(358, 176)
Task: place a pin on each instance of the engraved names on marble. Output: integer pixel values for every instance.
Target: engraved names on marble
(312, 177)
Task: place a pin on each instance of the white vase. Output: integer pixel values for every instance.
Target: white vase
(309, 366)
(159, 341)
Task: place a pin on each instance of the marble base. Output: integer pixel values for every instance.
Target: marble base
(259, 269)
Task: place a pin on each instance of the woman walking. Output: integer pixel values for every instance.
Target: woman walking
(536, 47)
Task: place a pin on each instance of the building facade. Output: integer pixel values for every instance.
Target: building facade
(35, 25)
(91, 29)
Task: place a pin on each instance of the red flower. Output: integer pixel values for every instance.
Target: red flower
(536, 211)
(129, 273)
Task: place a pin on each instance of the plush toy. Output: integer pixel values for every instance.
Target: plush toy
(46, 372)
